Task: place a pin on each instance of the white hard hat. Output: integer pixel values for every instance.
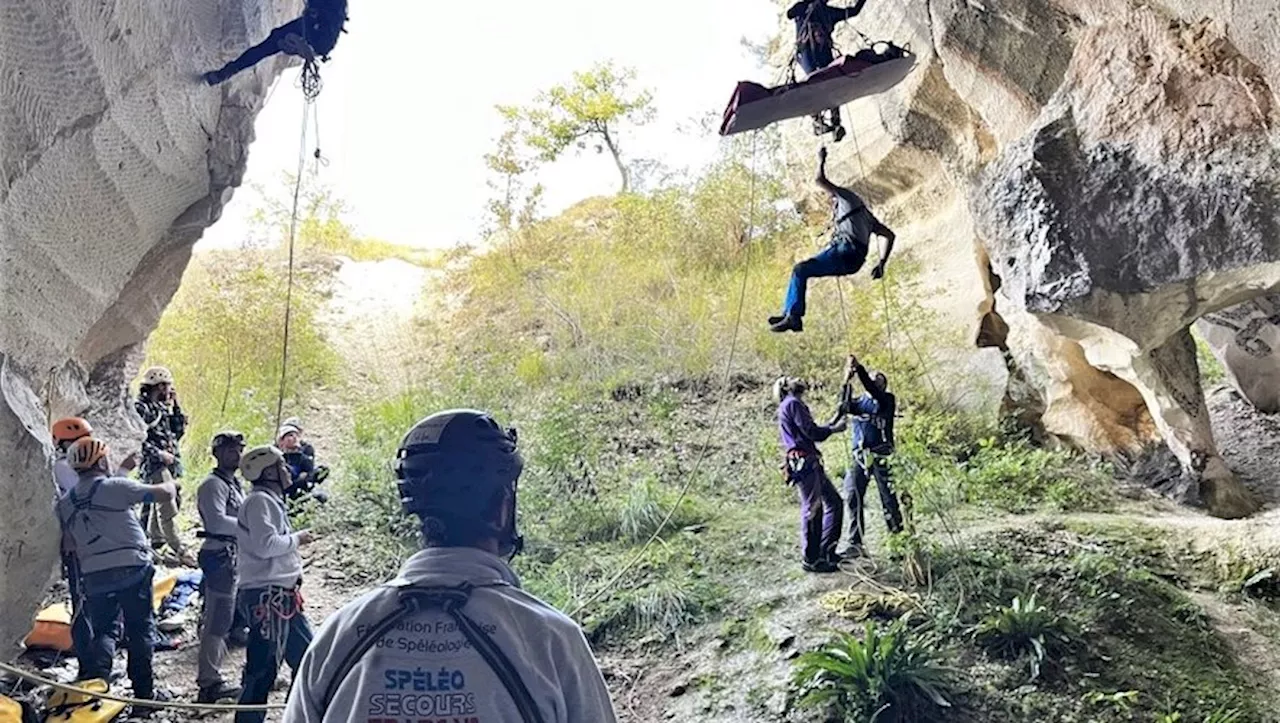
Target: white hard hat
(258, 460)
(157, 375)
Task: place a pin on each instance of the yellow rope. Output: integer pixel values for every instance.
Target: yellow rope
(136, 702)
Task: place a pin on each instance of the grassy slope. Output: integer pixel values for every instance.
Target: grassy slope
(604, 334)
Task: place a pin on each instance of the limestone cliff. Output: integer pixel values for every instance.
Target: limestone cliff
(1111, 169)
(114, 157)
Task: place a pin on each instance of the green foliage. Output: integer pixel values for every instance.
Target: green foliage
(222, 336)
(1212, 371)
(591, 109)
(892, 673)
(1023, 629)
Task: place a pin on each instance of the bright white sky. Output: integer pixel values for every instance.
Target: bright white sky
(407, 109)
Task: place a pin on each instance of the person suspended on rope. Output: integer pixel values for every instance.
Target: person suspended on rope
(270, 570)
(455, 622)
(873, 445)
(157, 405)
(218, 499)
(301, 458)
(815, 23)
(821, 510)
(116, 567)
(310, 37)
(853, 224)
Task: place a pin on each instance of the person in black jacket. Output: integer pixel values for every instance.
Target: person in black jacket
(311, 36)
(157, 406)
(815, 22)
(873, 445)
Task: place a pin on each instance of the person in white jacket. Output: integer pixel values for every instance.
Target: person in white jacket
(453, 637)
(270, 571)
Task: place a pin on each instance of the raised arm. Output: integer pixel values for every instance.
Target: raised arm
(823, 182)
(847, 13)
(864, 377)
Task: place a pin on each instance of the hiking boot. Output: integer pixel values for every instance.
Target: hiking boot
(851, 552)
(222, 691)
(839, 133)
(160, 695)
(775, 320)
(788, 323)
(820, 566)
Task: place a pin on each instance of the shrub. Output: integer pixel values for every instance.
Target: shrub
(890, 674)
(1023, 629)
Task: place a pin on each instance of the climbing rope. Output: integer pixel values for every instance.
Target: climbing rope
(293, 233)
(715, 413)
(135, 702)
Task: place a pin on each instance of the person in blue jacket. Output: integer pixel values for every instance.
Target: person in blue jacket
(873, 445)
(311, 36)
(815, 21)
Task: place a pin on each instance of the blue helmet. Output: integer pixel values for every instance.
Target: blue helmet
(451, 467)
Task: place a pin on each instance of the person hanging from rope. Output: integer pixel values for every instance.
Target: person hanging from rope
(116, 567)
(270, 571)
(311, 36)
(157, 405)
(852, 226)
(815, 23)
(821, 509)
(873, 444)
(455, 622)
(218, 499)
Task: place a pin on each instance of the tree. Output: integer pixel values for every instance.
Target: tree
(513, 205)
(592, 108)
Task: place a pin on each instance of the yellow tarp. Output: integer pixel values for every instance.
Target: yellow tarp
(52, 628)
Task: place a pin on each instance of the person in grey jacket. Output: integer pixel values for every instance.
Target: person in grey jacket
(453, 637)
(219, 499)
(270, 577)
(115, 562)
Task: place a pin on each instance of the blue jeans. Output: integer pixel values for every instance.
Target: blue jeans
(134, 601)
(841, 258)
(278, 629)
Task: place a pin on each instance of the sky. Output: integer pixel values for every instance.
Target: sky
(407, 110)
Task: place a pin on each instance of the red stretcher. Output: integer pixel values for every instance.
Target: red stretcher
(868, 72)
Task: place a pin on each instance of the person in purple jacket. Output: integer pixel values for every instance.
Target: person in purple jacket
(821, 509)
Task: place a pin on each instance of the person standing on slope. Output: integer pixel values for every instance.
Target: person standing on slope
(453, 636)
(311, 36)
(852, 226)
(873, 445)
(815, 23)
(270, 570)
(821, 509)
(115, 562)
(158, 407)
(219, 499)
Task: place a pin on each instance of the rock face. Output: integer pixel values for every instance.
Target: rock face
(1246, 337)
(114, 157)
(1117, 163)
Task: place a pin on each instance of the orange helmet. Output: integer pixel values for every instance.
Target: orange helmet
(86, 452)
(70, 429)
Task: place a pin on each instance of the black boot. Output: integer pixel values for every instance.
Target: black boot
(788, 323)
(222, 691)
(821, 566)
(838, 134)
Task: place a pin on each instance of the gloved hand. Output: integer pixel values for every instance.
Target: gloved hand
(878, 272)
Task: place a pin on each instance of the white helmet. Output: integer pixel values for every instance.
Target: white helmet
(258, 460)
(292, 422)
(157, 375)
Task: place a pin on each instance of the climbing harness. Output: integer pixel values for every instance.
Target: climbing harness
(451, 600)
(715, 413)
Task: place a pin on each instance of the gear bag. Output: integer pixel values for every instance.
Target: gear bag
(451, 600)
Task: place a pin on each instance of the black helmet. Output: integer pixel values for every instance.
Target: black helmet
(451, 467)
